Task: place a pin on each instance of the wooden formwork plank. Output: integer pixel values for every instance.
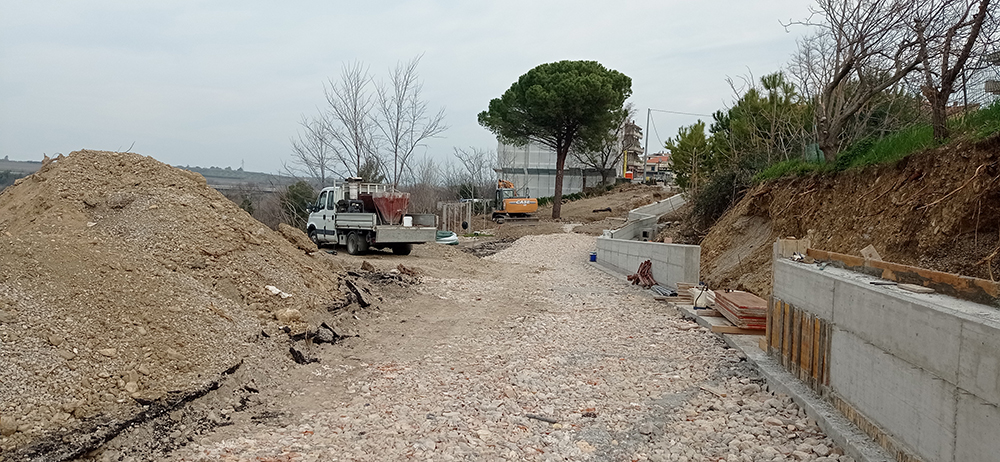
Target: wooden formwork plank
(786, 334)
(817, 326)
(796, 341)
(770, 318)
(805, 357)
(825, 371)
(774, 325)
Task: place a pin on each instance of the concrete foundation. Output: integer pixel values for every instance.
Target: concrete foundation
(672, 263)
(920, 370)
(623, 249)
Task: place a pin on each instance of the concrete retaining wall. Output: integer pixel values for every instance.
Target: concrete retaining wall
(672, 263)
(923, 368)
(634, 229)
(657, 208)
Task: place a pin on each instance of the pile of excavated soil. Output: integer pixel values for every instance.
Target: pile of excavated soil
(124, 283)
(938, 209)
(594, 214)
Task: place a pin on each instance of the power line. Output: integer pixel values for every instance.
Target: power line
(681, 113)
(660, 140)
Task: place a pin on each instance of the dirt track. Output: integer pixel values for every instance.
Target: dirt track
(453, 368)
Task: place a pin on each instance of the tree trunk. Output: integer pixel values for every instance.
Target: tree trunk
(829, 141)
(939, 115)
(561, 154)
(605, 174)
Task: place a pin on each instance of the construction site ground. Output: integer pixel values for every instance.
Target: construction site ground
(143, 316)
(526, 354)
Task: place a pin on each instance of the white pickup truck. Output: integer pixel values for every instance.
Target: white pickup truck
(366, 215)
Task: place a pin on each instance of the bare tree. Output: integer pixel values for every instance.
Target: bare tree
(613, 146)
(403, 118)
(424, 183)
(312, 154)
(947, 31)
(479, 173)
(860, 49)
(349, 128)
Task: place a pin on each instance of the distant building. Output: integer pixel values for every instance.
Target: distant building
(532, 169)
(631, 142)
(658, 167)
(533, 166)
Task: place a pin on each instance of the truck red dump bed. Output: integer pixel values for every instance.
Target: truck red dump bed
(391, 206)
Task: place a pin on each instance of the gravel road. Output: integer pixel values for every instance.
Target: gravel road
(532, 355)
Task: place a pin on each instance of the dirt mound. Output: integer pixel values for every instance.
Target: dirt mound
(939, 209)
(125, 282)
(613, 204)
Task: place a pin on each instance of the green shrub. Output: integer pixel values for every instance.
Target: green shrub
(722, 190)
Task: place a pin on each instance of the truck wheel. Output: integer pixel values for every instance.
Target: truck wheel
(314, 236)
(354, 244)
(402, 249)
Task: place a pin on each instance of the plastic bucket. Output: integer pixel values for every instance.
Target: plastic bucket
(593, 256)
(407, 221)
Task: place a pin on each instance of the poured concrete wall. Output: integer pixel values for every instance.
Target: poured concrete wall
(924, 368)
(657, 208)
(634, 229)
(671, 263)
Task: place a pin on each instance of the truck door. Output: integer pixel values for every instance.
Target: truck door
(330, 215)
(319, 216)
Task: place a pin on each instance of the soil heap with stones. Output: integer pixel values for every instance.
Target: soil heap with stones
(125, 283)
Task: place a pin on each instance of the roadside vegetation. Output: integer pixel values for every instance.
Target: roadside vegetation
(915, 84)
(974, 126)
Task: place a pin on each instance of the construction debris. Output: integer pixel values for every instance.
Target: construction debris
(644, 276)
(916, 289)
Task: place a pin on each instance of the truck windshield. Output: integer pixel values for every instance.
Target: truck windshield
(322, 200)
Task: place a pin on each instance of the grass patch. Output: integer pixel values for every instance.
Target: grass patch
(979, 124)
(887, 149)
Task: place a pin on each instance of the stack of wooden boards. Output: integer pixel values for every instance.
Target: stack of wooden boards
(684, 294)
(743, 309)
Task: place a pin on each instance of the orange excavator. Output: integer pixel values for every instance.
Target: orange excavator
(512, 207)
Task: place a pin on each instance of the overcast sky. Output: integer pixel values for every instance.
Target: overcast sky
(224, 83)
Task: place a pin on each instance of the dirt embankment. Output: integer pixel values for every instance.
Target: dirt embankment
(125, 282)
(593, 214)
(939, 209)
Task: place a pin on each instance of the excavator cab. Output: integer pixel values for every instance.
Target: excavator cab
(510, 205)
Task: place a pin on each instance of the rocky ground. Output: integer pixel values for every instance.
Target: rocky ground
(527, 354)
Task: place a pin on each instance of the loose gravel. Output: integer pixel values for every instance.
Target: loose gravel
(584, 367)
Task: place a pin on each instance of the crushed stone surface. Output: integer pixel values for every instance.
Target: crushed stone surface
(527, 354)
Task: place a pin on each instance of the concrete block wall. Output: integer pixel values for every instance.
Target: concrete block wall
(657, 208)
(633, 229)
(923, 368)
(671, 263)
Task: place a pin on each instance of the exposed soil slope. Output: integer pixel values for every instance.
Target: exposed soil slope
(938, 209)
(124, 281)
(593, 214)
